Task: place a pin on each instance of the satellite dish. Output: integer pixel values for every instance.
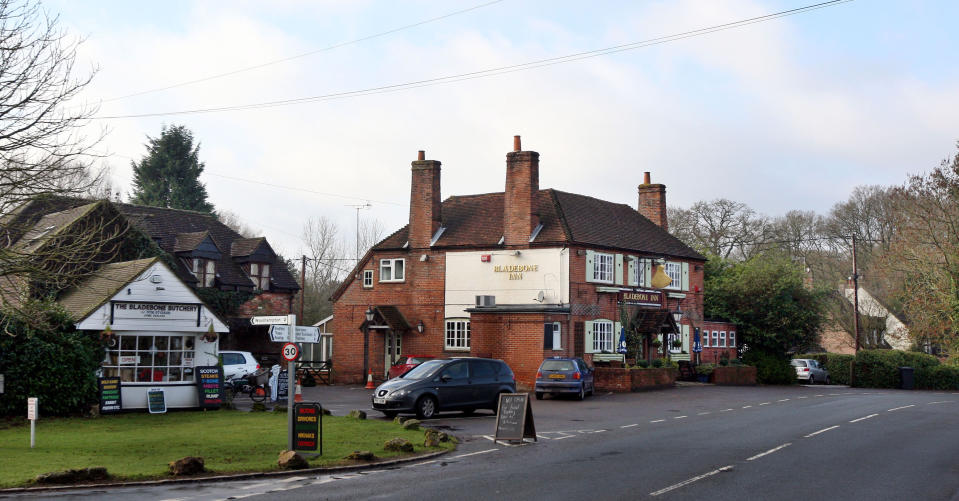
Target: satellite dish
(540, 296)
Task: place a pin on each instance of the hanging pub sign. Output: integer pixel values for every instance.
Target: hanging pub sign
(642, 298)
(110, 400)
(209, 382)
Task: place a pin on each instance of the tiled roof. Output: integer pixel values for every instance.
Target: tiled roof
(99, 287)
(476, 221)
(188, 241)
(245, 246)
(49, 225)
(393, 317)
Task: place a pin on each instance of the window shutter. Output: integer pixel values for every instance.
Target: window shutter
(616, 328)
(557, 336)
(647, 272)
(685, 278)
(589, 266)
(618, 277)
(686, 340)
(631, 271)
(548, 336)
(588, 337)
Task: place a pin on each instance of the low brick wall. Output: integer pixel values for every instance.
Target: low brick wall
(734, 376)
(624, 380)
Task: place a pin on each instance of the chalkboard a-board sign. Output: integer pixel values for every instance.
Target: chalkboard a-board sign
(283, 385)
(110, 401)
(209, 383)
(156, 401)
(514, 418)
(308, 427)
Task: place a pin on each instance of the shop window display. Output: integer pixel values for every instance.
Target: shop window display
(148, 359)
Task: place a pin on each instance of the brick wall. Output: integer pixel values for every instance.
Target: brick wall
(731, 375)
(624, 380)
(266, 303)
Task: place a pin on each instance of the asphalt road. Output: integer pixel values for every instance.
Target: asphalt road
(692, 442)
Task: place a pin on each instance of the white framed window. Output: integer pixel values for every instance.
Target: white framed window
(732, 339)
(639, 272)
(260, 274)
(722, 339)
(204, 270)
(672, 338)
(704, 338)
(457, 334)
(392, 270)
(602, 336)
(675, 273)
(367, 279)
(150, 358)
(603, 266)
(715, 343)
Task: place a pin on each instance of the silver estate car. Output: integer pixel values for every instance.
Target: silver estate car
(809, 371)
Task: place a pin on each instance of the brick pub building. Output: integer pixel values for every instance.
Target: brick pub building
(519, 275)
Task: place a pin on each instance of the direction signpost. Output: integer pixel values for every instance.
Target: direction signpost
(290, 322)
(304, 334)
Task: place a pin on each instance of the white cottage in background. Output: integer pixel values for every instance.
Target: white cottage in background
(154, 327)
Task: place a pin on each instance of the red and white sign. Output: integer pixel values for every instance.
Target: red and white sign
(291, 352)
(32, 408)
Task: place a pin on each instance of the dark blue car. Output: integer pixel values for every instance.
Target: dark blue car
(568, 375)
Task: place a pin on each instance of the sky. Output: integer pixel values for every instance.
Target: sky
(786, 114)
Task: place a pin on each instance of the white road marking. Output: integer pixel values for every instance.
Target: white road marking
(765, 403)
(940, 402)
(704, 413)
(257, 486)
(770, 451)
(567, 436)
(293, 479)
(783, 400)
(421, 464)
(474, 453)
(746, 406)
(543, 436)
(820, 395)
(629, 425)
(726, 410)
(691, 480)
(822, 431)
(864, 418)
(680, 417)
(803, 397)
(836, 394)
(657, 421)
(898, 408)
(600, 431)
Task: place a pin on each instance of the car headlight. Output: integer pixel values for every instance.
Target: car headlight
(400, 393)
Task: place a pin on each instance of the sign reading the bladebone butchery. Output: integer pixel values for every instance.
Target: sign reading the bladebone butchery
(154, 311)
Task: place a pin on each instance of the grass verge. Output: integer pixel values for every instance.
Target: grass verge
(139, 446)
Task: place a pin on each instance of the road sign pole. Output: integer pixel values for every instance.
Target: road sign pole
(290, 386)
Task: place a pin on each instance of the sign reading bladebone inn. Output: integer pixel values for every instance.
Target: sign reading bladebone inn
(642, 298)
(515, 270)
(133, 310)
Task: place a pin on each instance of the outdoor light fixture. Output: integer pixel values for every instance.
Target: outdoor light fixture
(369, 314)
(420, 327)
(678, 314)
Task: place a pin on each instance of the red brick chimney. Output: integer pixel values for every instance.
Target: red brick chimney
(522, 185)
(425, 203)
(652, 202)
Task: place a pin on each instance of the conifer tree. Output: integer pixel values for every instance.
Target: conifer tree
(169, 174)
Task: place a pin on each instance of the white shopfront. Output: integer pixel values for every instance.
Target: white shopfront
(155, 332)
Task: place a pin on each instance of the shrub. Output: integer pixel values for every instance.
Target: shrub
(643, 364)
(770, 369)
(942, 377)
(657, 363)
(705, 369)
(54, 363)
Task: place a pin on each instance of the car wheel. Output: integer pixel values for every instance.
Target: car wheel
(592, 389)
(539, 395)
(426, 407)
(582, 392)
(389, 414)
(827, 380)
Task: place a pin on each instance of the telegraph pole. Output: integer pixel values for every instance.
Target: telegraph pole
(302, 285)
(855, 317)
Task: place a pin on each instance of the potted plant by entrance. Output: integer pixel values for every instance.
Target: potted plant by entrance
(703, 371)
(677, 343)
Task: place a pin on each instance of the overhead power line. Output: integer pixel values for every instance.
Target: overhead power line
(501, 70)
(299, 56)
(305, 190)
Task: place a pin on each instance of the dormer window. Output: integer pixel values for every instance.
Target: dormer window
(204, 270)
(260, 274)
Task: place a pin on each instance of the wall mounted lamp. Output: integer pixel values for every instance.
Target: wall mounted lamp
(420, 327)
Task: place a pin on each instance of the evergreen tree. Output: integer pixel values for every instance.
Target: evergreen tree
(169, 175)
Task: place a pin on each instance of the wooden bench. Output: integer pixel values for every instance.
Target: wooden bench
(320, 370)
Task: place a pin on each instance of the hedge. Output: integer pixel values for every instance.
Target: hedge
(58, 366)
(880, 369)
(837, 365)
(942, 377)
(770, 369)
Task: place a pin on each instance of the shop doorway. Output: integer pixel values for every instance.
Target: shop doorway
(394, 338)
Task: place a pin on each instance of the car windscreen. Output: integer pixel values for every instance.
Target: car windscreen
(424, 370)
(558, 365)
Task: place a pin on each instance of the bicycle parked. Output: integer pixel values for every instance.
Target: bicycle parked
(255, 385)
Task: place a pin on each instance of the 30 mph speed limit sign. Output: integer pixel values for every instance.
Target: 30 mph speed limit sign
(290, 352)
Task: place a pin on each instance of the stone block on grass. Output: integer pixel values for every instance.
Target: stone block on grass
(290, 460)
(361, 456)
(399, 420)
(411, 424)
(398, 445)
(357, 414)
(431, 438)
(74, 476)
(189, 465)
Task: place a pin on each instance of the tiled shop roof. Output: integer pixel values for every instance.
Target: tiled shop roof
(99, 287)
(476, 221)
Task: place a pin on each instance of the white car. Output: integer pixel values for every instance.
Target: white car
(809, 371)
(238, 363)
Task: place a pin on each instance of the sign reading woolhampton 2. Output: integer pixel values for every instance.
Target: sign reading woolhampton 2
(209, 386)
(133, 310)
(642, 298)
(110, 398)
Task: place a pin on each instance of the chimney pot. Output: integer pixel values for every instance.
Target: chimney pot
(421, 155)
(517, 146)
(645, 176)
